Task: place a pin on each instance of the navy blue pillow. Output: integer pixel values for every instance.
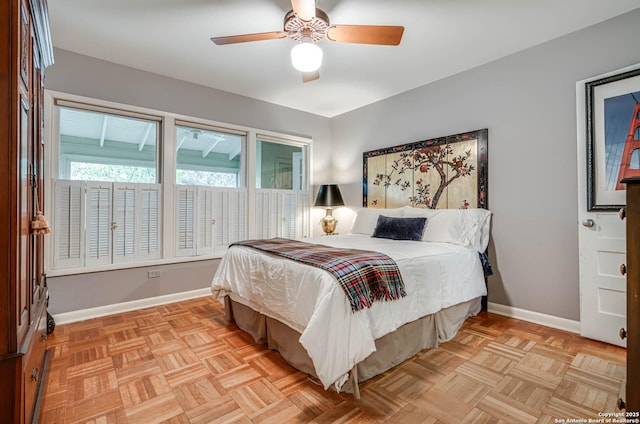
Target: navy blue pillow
(395, 228)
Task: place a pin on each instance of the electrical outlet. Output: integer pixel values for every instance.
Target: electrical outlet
(153, 274)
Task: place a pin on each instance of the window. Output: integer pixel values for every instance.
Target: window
(279, 165)
(126, 192)
(107, 202)
(100, 146)
(282, 196)
(207, 157)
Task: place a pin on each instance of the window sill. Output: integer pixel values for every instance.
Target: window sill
(114, 267)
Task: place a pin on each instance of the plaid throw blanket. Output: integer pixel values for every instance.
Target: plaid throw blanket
(365, 276)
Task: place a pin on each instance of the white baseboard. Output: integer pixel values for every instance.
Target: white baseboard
(535, 317)
(116, 308)
(100, 311)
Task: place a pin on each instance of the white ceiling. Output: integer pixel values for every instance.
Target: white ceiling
(441, 38)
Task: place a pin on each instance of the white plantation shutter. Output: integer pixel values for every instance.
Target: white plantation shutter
(149, 221)
(261, 224)
(124, 217)
(221, 218)
(302, 214)
(268, 213)
(98, 223)
(295, 214)
(237, 210)
(289, 214)
(282, 213)
(229, 215)
(205, 221)
(68, 224)
(185, 231)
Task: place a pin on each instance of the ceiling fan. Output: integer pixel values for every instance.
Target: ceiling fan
(308, 25)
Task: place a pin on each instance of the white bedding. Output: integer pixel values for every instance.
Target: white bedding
(310, 300)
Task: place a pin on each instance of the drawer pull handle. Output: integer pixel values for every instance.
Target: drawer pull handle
(34, 374)
(621, 405)
(43, 337)
(623, 269)
(622, 213)
(623, 333)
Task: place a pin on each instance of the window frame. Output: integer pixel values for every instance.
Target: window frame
(166, 170)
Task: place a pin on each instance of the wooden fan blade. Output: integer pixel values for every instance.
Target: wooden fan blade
(310, 76)
(366, 34)
(305, 9)
(232, 39)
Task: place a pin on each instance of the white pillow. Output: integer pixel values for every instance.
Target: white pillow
(480, 238)
(419, 212)
(366, 219)
(447, 226)
(465, 227)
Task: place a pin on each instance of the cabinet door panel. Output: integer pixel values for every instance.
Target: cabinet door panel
(33, 364)
(24, 268)
(37, 200)
(25, 41)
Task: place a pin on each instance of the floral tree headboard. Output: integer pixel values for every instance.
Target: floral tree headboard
(442, 173)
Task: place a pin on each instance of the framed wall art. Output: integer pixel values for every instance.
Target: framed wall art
(613, 138)
(442, 173)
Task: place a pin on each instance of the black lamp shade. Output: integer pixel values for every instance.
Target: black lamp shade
(329, 196)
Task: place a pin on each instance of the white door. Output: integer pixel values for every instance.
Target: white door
(602, 249)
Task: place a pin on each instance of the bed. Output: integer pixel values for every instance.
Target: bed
(301, 312)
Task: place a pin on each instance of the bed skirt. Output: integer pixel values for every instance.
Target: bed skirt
(391, 349)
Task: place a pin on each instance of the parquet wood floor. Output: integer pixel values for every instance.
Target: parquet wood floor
(184, 363)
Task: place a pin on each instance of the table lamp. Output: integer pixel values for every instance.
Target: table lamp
(329, 197)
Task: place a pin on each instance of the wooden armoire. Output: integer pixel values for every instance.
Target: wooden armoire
(25, 52)
(631, 400)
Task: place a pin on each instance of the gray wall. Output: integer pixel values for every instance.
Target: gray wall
(83, 291)
(528, 102)
(90, 77)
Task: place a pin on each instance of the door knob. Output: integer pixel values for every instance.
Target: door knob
(622, 213)
(623, 269)
(623, 333)
(588, 223)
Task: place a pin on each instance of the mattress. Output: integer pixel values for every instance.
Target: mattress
(310, 301)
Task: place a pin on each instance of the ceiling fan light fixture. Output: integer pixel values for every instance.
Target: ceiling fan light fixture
(306, 57)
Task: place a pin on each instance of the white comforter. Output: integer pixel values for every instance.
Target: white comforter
(310, 300)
